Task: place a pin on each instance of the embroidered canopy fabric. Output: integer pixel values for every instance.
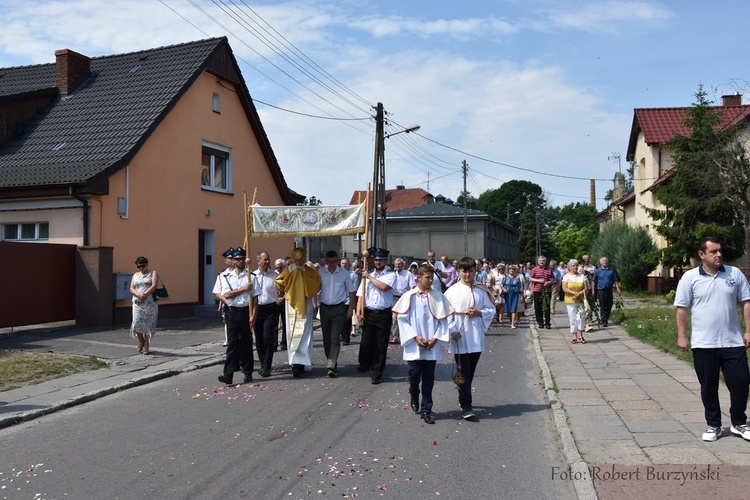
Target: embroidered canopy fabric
(312, 220)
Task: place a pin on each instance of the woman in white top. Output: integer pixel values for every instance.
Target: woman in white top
(575, 288)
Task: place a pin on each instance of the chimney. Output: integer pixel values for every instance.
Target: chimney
(70, 69)
(731, 100)
(592, 193)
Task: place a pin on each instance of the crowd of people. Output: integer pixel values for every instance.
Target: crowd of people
(421, 306)
(453, 303)
(370, 298)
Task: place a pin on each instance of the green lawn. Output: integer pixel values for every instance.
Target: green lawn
(653, 322)
(19, 368)
(651, 319)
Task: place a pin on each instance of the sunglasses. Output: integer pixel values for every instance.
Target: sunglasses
(140, 266)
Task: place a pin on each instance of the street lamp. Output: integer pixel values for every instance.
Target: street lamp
(378, 177)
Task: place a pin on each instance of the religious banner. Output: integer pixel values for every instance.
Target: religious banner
(308, 220)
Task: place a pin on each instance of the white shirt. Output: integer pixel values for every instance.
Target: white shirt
(713, 306)
(229, 280)
(404, 282)
(264, 286)
(335, 287)
(377, 299)
(436, 283)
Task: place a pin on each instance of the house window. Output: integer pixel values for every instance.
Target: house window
(26, 231)
(216, 103)
(216, 171)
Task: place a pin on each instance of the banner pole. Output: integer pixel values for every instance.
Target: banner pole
(363, 259)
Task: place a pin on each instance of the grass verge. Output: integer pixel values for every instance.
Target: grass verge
(18, 369)
(653, 324)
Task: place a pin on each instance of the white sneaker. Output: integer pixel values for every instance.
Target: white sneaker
(713, 433)
(740, 430)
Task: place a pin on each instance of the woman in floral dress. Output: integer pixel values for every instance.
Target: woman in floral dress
(145, 310)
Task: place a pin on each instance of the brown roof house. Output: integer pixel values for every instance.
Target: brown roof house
(418, 221)
(395, 199)
(146, 153)
(652, 161)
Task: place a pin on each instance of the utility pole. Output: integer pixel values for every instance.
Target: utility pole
(378, 180)
(378, 176)
(466, 225)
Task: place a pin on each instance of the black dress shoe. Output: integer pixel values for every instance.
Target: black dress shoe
(247, 379)
(548, 327)
(265, 373)
(332, 373)
(297, 371)
(225, 380)
(415, 405)
(427, 418)
(376, 381)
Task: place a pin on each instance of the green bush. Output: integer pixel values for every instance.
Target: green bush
(625, 246)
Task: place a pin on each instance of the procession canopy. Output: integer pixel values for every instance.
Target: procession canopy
(308, 220)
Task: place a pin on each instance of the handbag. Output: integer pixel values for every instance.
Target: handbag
(161, 292)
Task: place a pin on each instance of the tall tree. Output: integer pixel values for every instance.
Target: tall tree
(471, 202)
(693, 197)
(575, 229)
(734, 172)
(509, 200)
(625, 247)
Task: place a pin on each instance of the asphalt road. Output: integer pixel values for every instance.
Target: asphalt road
(190, 437)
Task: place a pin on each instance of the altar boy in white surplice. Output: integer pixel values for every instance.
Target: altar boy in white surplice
(474, 309)
(423, 319)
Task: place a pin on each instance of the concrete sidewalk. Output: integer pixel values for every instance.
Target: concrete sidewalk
(635, 417)
(178, 346)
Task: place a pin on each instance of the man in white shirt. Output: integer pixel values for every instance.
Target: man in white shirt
(233, 291)
(265, 312)
(712, 291)
(336, 306)
(404, 280)
(377, 293)
(437, 283)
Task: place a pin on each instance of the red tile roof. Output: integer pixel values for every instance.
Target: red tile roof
(398, 199)
(661, 124)
(626, 199)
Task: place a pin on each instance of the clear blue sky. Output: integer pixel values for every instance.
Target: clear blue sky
(542, 85)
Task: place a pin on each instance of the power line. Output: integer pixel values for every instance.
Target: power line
(311, 116)
(508, 164)
(264, 32)
(240, 19)
(243, 42)
(312, 62)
